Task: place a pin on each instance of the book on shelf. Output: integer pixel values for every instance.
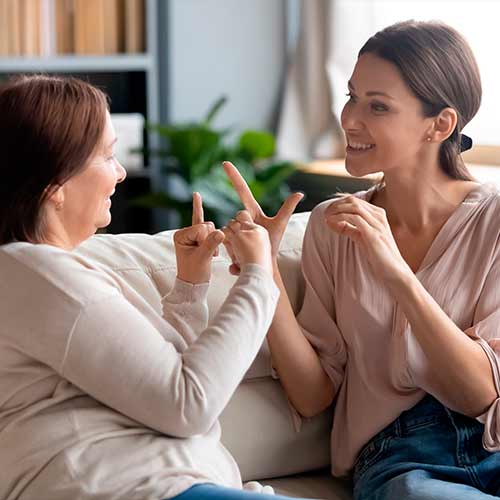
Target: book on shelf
(13, 27)
(4, 29)
(84, 27)
(29, 27)
(134, 26)
(64, 13)
(47, 27)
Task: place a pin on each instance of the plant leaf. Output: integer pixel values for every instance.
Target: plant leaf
(256, 144)
(214, 110)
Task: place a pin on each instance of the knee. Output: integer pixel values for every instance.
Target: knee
(409, 485)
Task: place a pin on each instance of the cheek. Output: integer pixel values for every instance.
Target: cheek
(343, 116)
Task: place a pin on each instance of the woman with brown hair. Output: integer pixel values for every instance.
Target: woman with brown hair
(102, 397)
(400, 327)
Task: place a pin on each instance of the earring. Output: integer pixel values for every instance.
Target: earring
(429, 139)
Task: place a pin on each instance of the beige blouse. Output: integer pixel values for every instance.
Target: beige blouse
(364, 341)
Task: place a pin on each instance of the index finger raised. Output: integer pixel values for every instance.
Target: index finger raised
(241, 187)
(198, 216)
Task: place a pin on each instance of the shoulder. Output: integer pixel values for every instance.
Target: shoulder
(485, 202)
(491, 195)
(52, 271)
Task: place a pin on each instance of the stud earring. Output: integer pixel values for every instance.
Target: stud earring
(429, 139)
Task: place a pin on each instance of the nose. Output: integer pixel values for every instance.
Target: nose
(350, 118)
(121, 173)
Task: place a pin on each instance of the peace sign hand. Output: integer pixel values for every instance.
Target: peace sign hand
(195, 246)
(275, 225)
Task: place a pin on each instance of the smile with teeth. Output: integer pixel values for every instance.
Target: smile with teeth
(359, 146)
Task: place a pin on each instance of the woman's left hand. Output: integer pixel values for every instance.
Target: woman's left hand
(367, 225)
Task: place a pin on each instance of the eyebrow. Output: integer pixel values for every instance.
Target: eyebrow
(371, 93)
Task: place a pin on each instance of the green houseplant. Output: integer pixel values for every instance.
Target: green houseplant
(192, 161)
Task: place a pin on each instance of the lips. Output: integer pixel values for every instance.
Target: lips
(358, 147)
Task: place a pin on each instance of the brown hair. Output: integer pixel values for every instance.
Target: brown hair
(439, 67)
(49, 128)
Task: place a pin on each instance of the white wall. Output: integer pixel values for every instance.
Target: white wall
(232, 47)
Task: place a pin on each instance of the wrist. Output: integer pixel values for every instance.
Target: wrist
(401, 281)
(194, 277)
(275, 265)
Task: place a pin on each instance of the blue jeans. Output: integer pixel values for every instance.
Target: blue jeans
(429, 452)
(214, 492)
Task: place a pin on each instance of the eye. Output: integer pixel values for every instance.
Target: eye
(351, 96)
(111, 158)
(379, 107)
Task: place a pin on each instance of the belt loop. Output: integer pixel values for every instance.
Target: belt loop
(398, 427)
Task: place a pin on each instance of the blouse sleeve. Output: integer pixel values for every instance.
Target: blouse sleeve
(486, 332)
(117, 356)
(185, 308)
(317, 316)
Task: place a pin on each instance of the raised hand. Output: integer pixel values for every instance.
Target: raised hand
(367, 225)
(247, 243)
(275, 225)
(195, 246)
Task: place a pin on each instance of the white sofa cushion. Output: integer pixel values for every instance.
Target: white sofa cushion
(257, 425)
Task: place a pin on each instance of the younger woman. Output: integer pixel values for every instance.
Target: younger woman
(400, 324)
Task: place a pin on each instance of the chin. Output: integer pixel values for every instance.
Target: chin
(106, 221)
(359, 168)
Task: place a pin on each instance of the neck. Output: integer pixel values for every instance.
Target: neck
(416, 199)
(55, 233)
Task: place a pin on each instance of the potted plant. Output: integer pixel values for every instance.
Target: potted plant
(192, 161)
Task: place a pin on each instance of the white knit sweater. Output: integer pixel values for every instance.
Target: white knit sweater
(101, 397)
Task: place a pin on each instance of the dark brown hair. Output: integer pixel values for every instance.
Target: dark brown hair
(439, 67)
(49, 128)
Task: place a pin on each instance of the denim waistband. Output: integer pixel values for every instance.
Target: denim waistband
(426, 412)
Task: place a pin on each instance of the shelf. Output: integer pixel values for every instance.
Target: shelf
(77, 63)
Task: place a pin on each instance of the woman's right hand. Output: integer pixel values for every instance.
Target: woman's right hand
(196, 245)
(275, 225)
(247, 243)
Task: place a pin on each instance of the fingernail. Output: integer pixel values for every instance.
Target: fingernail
(218, 237)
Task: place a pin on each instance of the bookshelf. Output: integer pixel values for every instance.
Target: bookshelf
(132, 82)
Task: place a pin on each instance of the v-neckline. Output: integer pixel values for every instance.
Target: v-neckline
(452, 225)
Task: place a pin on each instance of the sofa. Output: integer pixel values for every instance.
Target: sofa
(277, 447)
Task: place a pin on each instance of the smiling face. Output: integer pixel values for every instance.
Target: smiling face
(86, 197)
(383, 121)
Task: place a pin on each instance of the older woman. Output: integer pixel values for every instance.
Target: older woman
(100, 396)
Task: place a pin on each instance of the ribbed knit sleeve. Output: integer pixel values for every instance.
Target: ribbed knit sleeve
(115, 355)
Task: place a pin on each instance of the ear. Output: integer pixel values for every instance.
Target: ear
(55, 196)
(443, 125)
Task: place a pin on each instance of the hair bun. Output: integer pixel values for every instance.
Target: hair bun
(465, 143)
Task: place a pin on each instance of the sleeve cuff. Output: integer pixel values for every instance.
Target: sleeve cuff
(491, 417)
(184, 292)
(261, 273)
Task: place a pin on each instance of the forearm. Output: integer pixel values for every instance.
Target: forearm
(185, 308)
(307, 385)
(460, 371)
